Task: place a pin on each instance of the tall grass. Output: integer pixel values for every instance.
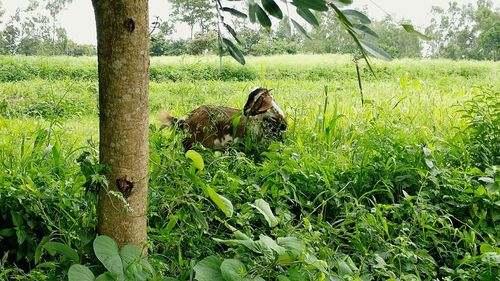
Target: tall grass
(297, 67)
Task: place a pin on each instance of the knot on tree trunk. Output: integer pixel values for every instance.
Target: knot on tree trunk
(130, 25)
(124, 186)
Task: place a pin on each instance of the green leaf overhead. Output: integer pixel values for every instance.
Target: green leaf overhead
(262, 17)
(362, 30)
(300, 28)
(234, 51)
(317, 5)
(272, 8)
(409, 28)
(375, 51)
(356, 16)
(233, 33)
(234, 12)
(343, 2)
(308, 16)
(252, 9)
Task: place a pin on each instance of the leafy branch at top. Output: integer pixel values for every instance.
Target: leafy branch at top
(354, 22)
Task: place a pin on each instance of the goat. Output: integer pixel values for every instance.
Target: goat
(216, 127)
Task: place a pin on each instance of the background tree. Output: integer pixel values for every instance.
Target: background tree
(397, 42)
(465, 32)
(33, 31)
(194, 12)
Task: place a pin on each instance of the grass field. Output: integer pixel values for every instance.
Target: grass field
(402, 188)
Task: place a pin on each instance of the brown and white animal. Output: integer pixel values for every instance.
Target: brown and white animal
(217, 126)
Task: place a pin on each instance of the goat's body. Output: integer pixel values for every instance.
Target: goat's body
(212, 126)
(217, 126)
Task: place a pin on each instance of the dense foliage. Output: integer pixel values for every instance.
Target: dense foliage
(404, 187)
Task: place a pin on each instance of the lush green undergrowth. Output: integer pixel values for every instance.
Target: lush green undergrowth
(402, 188)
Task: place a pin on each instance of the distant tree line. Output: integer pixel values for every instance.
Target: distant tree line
(34, 30)
(458, 32)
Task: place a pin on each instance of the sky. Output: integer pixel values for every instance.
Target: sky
(78, 17)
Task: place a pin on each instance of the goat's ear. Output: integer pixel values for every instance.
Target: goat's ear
(258, 104)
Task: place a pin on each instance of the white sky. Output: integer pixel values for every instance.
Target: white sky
(78, 17)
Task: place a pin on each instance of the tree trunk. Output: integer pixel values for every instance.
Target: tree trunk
(123, 57)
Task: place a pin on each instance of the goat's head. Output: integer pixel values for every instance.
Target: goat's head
(262, 107)
(260, 101)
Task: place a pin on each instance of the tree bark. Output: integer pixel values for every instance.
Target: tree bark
(123, 62)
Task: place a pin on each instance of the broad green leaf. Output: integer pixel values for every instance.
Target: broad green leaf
(300, 28)
(262, 17)
(78, 272)
(106, 251)
(486, 248)
(317, 5)
(308, 16)
(7, 232)
(106, 276)
(63, 249)
(357, 15)
(39, 248)
(269, 242)
(234, 12)
(171, 224)
(17, 219)
(234, 52)
(233, 270)
(344, 269)
(374, 50)
(321, 265)
(21, 236)
(222, 202)
(410, 29)
(292, 244)
(264, 208)
(272, 8)
(286, 259)
(196, 158)
(250, 244)
(129, 254)
(282, 278)
(240, 235)
(208, 269)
